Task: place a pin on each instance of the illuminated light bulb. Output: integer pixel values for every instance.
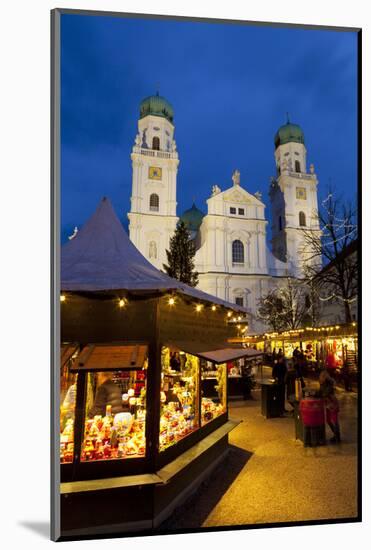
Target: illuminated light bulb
(213, 308)
(353, 324)
(171, 301)
(198, 307)
(121, 302)
(62, 298)
(239, 317)
(131, 392)
(229, 314)
(337, 327)
(238, 326)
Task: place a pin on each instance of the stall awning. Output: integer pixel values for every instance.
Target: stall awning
(111, 357)
(214, 353)
(67, 351)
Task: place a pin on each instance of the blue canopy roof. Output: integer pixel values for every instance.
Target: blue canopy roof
(102, 257)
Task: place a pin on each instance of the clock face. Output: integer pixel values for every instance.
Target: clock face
(301, 193)
(155, 173)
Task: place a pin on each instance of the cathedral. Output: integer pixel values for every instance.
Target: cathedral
(232, 258)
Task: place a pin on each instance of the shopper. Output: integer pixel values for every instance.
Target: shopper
(246, 380)
(290, 384)
(345, 374)
(279, 371)
(327, 391)
(299, 369)
(108, 393)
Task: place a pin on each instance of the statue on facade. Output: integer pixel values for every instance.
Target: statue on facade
(173, 146)
(137, 140)
(258, 195)
(311, 168)
(236, 177)
(152, 253)
(215, 190)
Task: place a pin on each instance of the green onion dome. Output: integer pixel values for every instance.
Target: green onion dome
(157, 106)
(192, 218)
(288, 133)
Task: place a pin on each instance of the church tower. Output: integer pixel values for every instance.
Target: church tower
(152, 217)
(293, 196)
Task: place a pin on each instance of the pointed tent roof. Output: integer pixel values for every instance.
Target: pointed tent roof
(102, 257)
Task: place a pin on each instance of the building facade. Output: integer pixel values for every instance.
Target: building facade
(232, 258)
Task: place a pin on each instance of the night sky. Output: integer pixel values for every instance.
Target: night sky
(230, 87)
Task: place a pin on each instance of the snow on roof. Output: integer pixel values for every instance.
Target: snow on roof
(102, 257)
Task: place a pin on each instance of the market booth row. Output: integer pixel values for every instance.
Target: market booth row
(140, 428)
(331, 346)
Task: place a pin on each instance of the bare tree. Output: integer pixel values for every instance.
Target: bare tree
(285, 307)
(338, 279)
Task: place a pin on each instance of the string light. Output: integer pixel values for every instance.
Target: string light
(213, 308)
(229, 314)
(198, 308)
(62, 298)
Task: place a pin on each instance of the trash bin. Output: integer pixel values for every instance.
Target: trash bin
(272, 399)
(312, 413)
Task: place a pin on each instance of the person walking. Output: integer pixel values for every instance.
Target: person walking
(279, 371)
(327, 391)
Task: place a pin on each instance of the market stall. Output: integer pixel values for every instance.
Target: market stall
(138, 429)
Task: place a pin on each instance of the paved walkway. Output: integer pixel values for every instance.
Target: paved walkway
(270, 477)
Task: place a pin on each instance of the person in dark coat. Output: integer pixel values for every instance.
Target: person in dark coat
(279, 372)
(108, 393)
(175, 361)
(246, 380)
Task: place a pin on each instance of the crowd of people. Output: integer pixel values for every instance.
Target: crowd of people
(287, 376)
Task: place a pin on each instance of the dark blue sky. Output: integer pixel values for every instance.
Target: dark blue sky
(230, 86)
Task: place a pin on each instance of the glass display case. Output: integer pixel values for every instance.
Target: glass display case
(67, 403)
(214, 392)
(179, 416)
(103, 404)
(115, 415)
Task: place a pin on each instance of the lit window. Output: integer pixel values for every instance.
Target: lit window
(238, 255)
(154, 202)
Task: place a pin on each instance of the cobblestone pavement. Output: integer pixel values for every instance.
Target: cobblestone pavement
(268, 476)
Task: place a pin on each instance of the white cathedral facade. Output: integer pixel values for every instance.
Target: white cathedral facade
(232, 258)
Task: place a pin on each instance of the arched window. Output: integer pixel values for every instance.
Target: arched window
(156, 143)
(297, 166)
(152, 250)
(154, 202)
(302, 222)
(280, 223)
(238, 253)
